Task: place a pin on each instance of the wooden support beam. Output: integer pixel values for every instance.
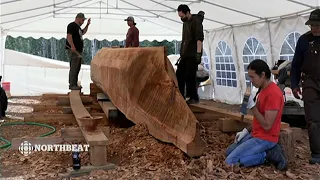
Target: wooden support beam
(109, 109)
(65, 101)
(68, 110)
(53, 96)
(68, 133)
(287, 142)
(227, 114)
(94, 89)
(102, 97)
(297, 134)
(67, 119)
(96, 139)
(46, 107)
(231, 125)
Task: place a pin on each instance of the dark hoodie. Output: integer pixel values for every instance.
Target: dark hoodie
(191, 33)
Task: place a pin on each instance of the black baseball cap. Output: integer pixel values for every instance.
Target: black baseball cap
(314, 17)
(81, 15)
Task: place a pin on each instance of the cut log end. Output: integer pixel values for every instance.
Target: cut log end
(287, 141)
(197, 146)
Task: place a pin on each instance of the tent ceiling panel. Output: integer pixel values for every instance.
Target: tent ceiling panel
(155, 18)
(260, 8)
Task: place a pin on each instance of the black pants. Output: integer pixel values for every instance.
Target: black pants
(311, 98)
(186, 76)
(3, 102)
(75, 66)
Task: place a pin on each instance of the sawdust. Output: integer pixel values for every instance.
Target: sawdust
(138, 155)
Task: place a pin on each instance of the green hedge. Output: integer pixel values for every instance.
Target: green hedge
(55, 48)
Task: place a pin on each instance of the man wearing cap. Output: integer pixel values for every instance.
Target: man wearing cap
(74, 46)
(306, 66)
(132, 38)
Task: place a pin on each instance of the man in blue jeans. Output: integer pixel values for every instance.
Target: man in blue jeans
(252, 149)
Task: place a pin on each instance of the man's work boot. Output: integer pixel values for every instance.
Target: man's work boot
(192, 101)
(275, 156)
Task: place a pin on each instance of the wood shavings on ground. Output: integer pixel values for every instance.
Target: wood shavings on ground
(138, 155)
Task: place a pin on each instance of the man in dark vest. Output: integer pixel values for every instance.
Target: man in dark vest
(306, 66)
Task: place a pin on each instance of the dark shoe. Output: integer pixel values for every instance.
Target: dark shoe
(314, 160)
(276, 156)
(192, 101)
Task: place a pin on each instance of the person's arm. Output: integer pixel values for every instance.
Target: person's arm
(85, 29)
(199, 35)
(295, 72)
(136, 38)
(273, 106)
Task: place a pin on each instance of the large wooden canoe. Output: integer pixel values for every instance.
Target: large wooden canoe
(142, 84)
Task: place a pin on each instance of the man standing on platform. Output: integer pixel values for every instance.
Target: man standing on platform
(132, 38)
(306, 62)
(190, 53)
(74, 46)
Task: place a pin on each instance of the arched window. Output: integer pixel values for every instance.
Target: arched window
(252, 50)
(225, 68)
(289, 46)
(205, 60)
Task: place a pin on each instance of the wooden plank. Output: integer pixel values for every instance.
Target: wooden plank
(231, 125)
(57, 118)
(96, 139)
(75, 132)
(227, 114)
(102, 97)
(53, 96)
(98, 155)
(65, 101)
(68, 110)
(109, 109)
(46, 107)
(93, 138)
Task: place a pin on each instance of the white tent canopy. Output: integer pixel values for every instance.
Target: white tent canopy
(156, 19)
(236, 31)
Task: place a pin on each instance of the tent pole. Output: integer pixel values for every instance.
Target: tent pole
(271, 44)
(238, 63)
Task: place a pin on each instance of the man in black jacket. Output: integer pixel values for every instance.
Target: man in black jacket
(306, 66)
(190, 53)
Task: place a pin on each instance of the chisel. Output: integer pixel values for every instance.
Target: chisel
(243, 108)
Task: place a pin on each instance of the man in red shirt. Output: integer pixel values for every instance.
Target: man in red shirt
(267, 106)
(132, 38)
